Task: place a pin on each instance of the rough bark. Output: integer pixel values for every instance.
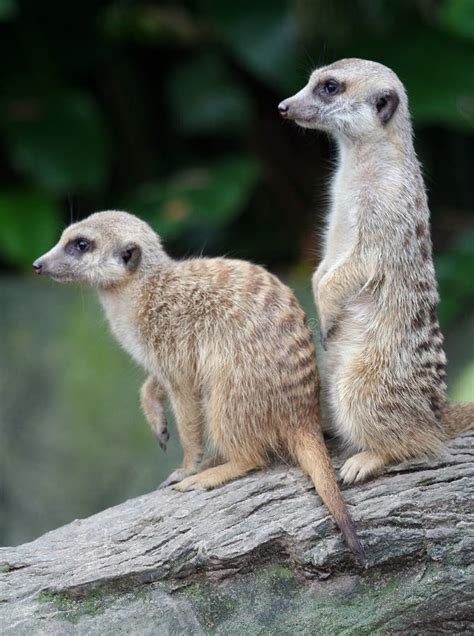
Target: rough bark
(257, 556)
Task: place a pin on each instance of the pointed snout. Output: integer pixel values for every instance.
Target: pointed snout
(297, 106)
(283, 109)
(42, 265)
(290, 107)
(38, 266)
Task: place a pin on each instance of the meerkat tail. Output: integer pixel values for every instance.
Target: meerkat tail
(458, 417)
(311, 454)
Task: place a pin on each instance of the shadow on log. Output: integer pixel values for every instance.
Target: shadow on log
(258, 556)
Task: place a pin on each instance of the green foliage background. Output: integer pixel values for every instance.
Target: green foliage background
(168, 109)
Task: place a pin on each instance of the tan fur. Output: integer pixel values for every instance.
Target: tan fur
(458, 417)
(225, 340)
(375, 288)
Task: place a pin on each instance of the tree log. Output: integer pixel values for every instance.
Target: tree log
(260, 555)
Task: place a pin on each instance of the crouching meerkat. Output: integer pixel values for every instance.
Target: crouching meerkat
(225, 340)
(375, 289)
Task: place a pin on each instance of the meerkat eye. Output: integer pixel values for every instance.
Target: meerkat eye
(82, 244)
(331, 87)
(78, 246)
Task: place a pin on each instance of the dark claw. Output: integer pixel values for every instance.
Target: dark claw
(325, 336)
(163, 438)
(168, 482)
(177, 475)
(324, 341)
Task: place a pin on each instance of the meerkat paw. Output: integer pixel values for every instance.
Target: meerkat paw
(176, 476)
(163, 437)
(190, 483)
(213, 477)
(362, 466)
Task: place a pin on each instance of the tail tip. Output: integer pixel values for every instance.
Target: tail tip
(354, 542)
(359, 553)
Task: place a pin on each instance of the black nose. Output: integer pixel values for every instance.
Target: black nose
(37, 266)
(283, 109)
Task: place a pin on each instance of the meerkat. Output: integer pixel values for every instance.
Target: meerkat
(225, 340)
(375, 288)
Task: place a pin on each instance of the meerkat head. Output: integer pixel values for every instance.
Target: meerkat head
(352, 98)
(104, 250)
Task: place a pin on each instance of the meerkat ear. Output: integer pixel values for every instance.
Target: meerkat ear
(386, 103)
(131, 255)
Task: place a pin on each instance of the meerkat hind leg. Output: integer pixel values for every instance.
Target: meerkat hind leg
(212, 462)
(216, 476)
(362, 466)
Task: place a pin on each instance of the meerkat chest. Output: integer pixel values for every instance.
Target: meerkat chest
(342, 227)
(122, 319)
(341, 233)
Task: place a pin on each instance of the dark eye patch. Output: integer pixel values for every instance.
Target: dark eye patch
(78, 246)
(329, 87)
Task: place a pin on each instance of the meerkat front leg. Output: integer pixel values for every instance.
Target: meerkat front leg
(334, 290)
(189, 421)
(316, 279)
(153, 397)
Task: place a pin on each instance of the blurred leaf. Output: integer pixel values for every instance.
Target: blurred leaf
(458, 17)
(455, 269)
(8, 9)
(211, 195)
(205, 98)
(463, 389)
(60, 142)
(29, 225)
(150, 23)
(263, 35)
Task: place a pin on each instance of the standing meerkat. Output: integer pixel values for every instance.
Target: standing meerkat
(375, 288)
(225, 340)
